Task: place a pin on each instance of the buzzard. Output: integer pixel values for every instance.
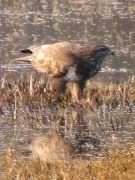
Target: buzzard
(67, 62)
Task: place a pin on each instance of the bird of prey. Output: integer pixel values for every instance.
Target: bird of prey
(67, 62)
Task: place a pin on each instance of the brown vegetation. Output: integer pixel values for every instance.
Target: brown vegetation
(116, 166)
(36, 93)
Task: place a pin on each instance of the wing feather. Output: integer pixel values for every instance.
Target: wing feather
(56, 59)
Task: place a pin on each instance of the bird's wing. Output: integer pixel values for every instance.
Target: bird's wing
(54, 59)
(84, 52)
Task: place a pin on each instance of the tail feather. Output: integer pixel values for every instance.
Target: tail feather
(30, 50)
(26, 51)
(26, 59)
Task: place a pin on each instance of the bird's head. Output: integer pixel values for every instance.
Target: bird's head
(101, 52)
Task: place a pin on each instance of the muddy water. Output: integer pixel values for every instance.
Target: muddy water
(112, 23)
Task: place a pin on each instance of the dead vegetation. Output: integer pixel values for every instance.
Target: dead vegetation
(116, 165)
(33, 92)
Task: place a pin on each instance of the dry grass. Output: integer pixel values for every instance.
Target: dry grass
(111, 95)
(116, 165)
(23, 92)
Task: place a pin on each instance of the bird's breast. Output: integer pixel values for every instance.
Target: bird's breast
(71, 74)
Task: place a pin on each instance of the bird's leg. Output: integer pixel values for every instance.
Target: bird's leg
(77, 91)
(58, 87)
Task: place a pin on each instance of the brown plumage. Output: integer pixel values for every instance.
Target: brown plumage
(67, 62)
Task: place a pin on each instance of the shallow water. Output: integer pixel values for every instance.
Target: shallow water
(90, 132)
(112, 23)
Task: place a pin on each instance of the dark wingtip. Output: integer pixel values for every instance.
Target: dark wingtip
(26, 51)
